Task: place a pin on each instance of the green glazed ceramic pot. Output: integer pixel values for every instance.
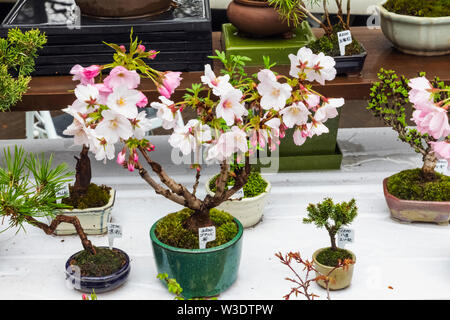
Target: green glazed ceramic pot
(200, 272)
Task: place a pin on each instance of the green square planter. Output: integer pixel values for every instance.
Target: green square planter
(200, 272)
(276, 48)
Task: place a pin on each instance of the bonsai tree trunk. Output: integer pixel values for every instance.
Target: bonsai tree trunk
(429, 164)
(50, 229)
(332, 234)
(83, 172)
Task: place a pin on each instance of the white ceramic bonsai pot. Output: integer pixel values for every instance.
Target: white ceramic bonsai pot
(416, 35)
(93, 220)
(343, 278)
(248, 211)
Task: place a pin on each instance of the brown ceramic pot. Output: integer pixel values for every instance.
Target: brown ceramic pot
(420, 211)
(122, 8)
(256, 18)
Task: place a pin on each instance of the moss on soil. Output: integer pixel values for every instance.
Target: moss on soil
(254, 186)
(170, 230)
(104, 263)
(329, 257)
(419, 8)
(409, 185)
(95, 197)
(330, 46)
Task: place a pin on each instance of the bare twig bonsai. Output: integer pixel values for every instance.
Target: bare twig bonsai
(28, 188)
(331, 216)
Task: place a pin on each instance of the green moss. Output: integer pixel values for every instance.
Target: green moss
(104, 263)
(170, 230)
(329, 257)
(419, 8)
(409, 185)
(254, 186)
(330, 45)
(95, 197)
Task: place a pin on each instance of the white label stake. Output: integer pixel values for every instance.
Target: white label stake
(63, 193)
(206, 235)
(345, 235)
(344, 38)
(114, 231)
(238, 195)
(442, 166)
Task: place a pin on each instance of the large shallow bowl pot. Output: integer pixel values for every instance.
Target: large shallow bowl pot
(342, 278)
(94, 221)
(417, 211)
(248, 211)
(416, 35)
(98, 284)
(256, 18)
(200, 272)
(122, 8)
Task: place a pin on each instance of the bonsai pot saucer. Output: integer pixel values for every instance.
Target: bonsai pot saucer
(417, 211)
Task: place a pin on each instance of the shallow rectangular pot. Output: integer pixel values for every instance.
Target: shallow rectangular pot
(93, 220)
(350, 65)
(420, 211)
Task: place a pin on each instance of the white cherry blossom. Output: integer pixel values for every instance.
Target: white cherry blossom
(123, 101)
(329, 110)
(220, 85)
(230, 106)
(296, 114)
(113, 127)
(274, 94)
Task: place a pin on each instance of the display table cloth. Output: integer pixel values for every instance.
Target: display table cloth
(393, 260)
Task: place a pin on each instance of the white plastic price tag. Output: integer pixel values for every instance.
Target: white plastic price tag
(442, 166)
(114, 231)
(63, 193)
(345, 235)
(344, 38)
(206, 235)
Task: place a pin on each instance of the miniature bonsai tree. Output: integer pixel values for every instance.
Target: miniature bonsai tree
(390, 98)
(295, 10)
(28, 191)
(231, 109)
(17, 54)
(332, 217)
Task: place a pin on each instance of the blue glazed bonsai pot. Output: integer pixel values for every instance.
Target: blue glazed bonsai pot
(98, 284)
(200, 272)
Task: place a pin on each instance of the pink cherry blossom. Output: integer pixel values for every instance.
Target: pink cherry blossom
(121, 158)
(143, 102)
(166, 112)
(122, 77)
(113, 127)
(220, 85)
(296, 114)
(300, 135)
(420, 92)
(231, 107)
(312, 100)
(170, 81)
(85, 75)
(441, 149)
(328, 110)
(104, 92)
(431, 119)
(274, 94)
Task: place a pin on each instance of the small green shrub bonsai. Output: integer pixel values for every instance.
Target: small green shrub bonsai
(323, 215)
(419, 8)
(17, 54)
(390, 97)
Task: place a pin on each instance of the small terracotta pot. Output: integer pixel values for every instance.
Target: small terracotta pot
(256, 18)
(421, 211)
(342, 277)
(123, 8)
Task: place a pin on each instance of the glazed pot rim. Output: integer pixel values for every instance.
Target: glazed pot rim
(259, 196)
(116, 274)
(230, 243)
(390, 195)
(412, 19)
(254, 3)
(112, 199)
(324, 266)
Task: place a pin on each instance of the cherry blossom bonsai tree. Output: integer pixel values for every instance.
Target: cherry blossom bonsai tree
(429, 101)
(231, 108)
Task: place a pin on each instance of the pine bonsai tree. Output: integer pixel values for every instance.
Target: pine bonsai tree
(323, 214)
(17, 53)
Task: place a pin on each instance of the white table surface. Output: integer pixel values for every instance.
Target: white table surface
(414, 259)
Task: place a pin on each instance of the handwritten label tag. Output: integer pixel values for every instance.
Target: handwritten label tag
(344, 38)
(114, 231)
(63, 193)
(442, 166)
(206, 235)
(238, 195)
(345, 235)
